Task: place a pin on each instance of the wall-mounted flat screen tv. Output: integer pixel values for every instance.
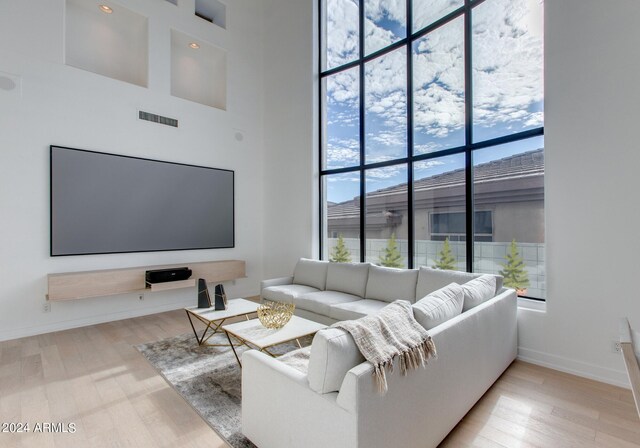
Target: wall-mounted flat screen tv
(107, 203)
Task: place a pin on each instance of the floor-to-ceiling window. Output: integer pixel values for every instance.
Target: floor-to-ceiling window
(431, 123)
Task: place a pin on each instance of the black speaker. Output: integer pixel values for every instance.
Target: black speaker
(220, 298)
(204, 300)
(167, 275)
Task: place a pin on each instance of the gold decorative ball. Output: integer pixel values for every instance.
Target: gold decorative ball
(275, 314)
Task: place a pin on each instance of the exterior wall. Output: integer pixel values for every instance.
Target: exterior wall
(522, 221)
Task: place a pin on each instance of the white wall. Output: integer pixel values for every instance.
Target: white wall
(290, 135)
(62, 105)
(591, 152)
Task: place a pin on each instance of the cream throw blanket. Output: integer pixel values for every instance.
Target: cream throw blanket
(391, 332)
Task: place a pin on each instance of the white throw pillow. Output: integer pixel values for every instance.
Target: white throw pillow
(430, 279)
(333, 354)
(390, 284)
(311, 273)
(439, 306)
(478, 290)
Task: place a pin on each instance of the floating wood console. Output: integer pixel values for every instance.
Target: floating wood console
(81, 285)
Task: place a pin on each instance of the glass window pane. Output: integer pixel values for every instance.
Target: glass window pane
(425, 12)
(341, 120)
(386, 216)
(341, 193)
(386, 107)
(438, 82)
(509, 183)
(439, 213)
(340, 33)
(384, 24)
(507, 67)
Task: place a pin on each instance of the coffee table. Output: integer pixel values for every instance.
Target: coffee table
(254, 335)
(214, 319)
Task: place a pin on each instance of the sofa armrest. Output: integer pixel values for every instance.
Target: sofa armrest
(276, 282)
(279, 410)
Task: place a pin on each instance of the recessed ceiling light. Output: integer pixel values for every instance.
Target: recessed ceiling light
(105, 9)
(194, 45)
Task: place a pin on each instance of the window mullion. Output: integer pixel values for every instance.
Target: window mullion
(410, 215)
(362, 133)
(468, 100)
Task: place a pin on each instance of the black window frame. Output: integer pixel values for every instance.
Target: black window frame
(467, 149)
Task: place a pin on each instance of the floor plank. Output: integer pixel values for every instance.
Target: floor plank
(95, 378)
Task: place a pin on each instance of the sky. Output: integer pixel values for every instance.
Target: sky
(507, 80)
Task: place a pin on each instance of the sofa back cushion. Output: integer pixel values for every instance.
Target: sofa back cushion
(311, 273)
(348, 277)
(439, 306)
(389, 284)
(333, 354)
(430, 280)
(478, 290)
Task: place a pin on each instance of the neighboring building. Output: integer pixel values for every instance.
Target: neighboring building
(509, 203)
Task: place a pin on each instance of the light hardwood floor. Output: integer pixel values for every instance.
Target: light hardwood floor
(95, 378)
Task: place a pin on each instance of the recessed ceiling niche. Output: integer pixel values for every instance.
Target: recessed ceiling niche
(198, 71)
(107, 39)
(212, 11)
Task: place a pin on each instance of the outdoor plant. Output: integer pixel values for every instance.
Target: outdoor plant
(391, 257)
(447, 260)
(514, 272)
(340, 253)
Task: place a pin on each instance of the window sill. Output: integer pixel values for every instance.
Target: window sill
(532, 305)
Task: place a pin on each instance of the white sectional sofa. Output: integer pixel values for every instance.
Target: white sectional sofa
(333, 401)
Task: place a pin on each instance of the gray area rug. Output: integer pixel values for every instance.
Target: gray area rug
(208, 378)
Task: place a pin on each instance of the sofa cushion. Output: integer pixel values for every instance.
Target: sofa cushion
(478, 290)
(298, 359)
(389, 284)
(439, 306)
(348, 277)
(286, 293)
(311, 273)
(430, 280)
(333, 354)
(320, 302)
(356, 310)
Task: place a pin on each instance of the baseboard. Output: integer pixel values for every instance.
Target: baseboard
(575, 367)
(17, 333)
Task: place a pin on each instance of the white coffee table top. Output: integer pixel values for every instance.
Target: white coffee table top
(253, 332)
(235, 307)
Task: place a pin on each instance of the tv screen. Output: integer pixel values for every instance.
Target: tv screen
(106, 203)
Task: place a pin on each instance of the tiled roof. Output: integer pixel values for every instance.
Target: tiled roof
(530, 163)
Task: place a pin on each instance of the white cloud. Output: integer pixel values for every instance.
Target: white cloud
(343, 152)
(342, 32)
(439, 81)
(427, 164)
(376, 11)
(507, 76)
(391, 9)
(426, 12)
(385, 173)
(388, 138)
(508, 61)
(427, 147)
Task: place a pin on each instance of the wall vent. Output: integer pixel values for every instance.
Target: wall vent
(158, 119)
